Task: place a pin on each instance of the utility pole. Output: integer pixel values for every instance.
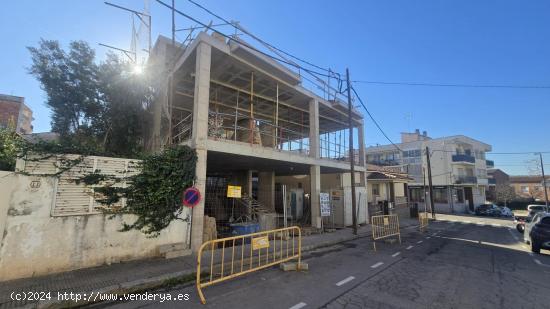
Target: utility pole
(173, 23)
(351, 158)
(430, 184)
(424, 189)
(544, 181)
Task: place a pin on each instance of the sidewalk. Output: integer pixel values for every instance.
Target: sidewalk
(133, 276)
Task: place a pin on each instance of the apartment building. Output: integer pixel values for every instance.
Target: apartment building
(13, 111)
(255, 124)
(458, 163)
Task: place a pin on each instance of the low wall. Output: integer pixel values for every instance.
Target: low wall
(33, 242)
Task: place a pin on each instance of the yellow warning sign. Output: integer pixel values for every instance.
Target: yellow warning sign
(234, 191)
(260, 242)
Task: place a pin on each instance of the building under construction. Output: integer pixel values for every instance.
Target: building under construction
(255, 126)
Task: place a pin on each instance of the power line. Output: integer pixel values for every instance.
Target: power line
(426, 84)
(244, 43)
(257, 38)
(374, 120)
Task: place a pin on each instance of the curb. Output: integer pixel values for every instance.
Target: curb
(147, 284)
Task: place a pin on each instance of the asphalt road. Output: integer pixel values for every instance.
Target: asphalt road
(468, 262)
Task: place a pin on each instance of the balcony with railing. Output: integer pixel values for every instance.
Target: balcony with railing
(465, 180)
(463, 158)
(384, 162)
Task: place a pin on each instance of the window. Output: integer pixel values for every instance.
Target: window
(440, 195)
(460, 195)
(412, 153)
(525, 189)
(375, 189)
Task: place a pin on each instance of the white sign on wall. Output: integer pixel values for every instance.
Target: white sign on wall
(325, 204)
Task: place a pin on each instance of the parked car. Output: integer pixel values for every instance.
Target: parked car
(529, 223)
(493, 210)
(522, 217)
(506, 212)
(532, 209)
(540, 233)
(484, 210)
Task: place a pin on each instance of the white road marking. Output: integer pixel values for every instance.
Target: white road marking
(396, 254)
(538, 262)
(409, 247)
(298, 306)
(531, 253)
(348, 279)
(377, 265)
(428, 237)
(419, 242)
(496, 225)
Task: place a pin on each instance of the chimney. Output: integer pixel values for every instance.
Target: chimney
(425, 133)
(417, 131)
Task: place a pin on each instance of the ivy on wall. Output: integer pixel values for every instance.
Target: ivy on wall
(153, 194)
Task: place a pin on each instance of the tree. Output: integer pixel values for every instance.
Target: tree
(504, 193)
(70, 82)
(99, 106)
(127, 96)
(10, 142)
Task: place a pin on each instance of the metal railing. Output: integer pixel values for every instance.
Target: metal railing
(423, 219)
(464, 158)
(182, 130)
(229, 126)
(257, 251)
(465, 179)
(384, 227)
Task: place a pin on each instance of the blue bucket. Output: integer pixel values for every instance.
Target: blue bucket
(238, 229)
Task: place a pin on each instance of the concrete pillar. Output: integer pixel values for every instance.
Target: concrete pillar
(314, 128)
(315, 178)
(266, 189)
(248, 182)
(361, 138)
(200, 137)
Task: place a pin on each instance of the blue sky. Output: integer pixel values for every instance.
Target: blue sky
(465, 42)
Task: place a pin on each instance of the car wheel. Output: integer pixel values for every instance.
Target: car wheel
(535, 247)
(520, 228)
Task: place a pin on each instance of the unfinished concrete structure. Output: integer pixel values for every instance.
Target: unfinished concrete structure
(253, 124)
